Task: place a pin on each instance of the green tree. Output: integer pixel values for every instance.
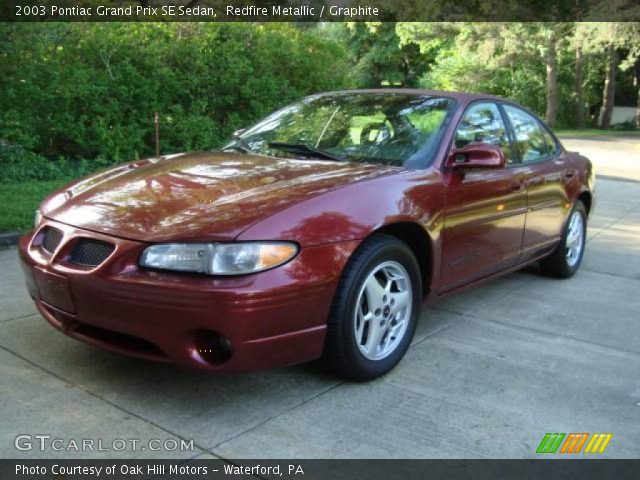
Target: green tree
(502, 45)
(569, 65)
(378, 56)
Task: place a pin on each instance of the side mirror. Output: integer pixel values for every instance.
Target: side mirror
(476, 155)
(238, 132)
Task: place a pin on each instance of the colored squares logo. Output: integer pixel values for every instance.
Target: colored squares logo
(598, 443)
(550, 443)
(574, 443)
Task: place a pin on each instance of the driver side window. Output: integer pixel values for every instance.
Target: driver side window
(482, 122)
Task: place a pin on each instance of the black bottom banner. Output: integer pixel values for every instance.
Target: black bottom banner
(197, 469)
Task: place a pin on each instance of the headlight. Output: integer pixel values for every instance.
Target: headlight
(38, 219)
(218, 258)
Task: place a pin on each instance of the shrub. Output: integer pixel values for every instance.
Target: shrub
(77, 90)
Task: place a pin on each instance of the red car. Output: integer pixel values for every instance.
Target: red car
(316, 233)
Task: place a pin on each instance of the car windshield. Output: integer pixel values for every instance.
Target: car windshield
(388, 128)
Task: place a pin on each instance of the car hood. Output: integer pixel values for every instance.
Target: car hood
(196, 196)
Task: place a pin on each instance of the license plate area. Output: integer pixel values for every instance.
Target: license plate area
(54, 289)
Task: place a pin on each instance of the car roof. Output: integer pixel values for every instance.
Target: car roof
(462, 97)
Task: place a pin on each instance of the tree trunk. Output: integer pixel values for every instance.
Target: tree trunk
(636, 83)
(609, 88)
(579, 88)
(552, 79)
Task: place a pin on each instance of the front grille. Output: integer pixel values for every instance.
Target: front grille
(52, 239)
(90, 253)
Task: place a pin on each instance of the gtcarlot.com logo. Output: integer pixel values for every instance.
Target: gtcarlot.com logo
(574, 442)
(45, 442)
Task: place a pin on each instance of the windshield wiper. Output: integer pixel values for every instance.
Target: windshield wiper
(304, 150)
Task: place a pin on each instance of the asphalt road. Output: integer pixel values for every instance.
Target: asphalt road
(490, 371)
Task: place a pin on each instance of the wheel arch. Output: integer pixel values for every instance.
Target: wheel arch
(586, 198)
(420, 243)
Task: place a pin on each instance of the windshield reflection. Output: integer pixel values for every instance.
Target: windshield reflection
(399, 129)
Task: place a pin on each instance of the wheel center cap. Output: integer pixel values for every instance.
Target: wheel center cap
(386, 311)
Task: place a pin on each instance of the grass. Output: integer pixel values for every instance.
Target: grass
(594, 132)
(19, 202)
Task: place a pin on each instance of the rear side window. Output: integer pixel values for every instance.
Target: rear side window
(483, 123)
(529, 137)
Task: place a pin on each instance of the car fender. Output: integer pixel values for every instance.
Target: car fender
(355, 211)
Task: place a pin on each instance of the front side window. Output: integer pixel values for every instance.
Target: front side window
(483, 123)
(529, 139)
(387, 128)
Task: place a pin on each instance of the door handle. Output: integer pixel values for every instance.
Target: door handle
(569, 174)
(516, 187)
(536, 181)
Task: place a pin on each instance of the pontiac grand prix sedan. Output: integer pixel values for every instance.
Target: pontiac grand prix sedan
(318, 232)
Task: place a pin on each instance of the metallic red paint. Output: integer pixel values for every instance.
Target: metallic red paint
(274, 318)
(477, 223)
(196, 196)
(476, 155)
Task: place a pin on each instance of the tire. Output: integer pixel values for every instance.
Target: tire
(354, 327)
(563, 263)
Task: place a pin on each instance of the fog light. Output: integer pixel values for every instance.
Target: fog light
(213, 347)
(225, 343)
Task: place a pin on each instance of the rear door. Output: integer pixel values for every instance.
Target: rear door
(485, 208)
(545, 173)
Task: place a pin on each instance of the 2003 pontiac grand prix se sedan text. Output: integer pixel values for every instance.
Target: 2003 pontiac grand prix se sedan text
(316, 233)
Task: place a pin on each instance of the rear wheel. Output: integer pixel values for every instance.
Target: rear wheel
(375, 309)
(565, 260)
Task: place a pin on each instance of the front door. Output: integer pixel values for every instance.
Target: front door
(485, 209)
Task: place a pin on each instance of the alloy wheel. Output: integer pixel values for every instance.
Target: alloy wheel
(383, 310)
(575, 239)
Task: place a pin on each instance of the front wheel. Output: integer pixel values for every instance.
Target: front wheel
(375, 309)
(565, 260)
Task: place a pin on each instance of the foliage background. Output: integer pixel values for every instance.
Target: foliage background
(77, 97)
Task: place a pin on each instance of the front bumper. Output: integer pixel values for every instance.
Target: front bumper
(271, 319)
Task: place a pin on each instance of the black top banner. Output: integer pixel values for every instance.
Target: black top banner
(320, 10)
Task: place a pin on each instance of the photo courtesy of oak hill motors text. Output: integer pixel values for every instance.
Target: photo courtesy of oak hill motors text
(231, 11)
(295, 470)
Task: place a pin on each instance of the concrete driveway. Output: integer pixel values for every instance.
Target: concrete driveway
(490, 371)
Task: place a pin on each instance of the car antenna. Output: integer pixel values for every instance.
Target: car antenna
(156, 123)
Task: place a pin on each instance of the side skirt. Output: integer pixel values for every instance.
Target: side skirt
(435, 296)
